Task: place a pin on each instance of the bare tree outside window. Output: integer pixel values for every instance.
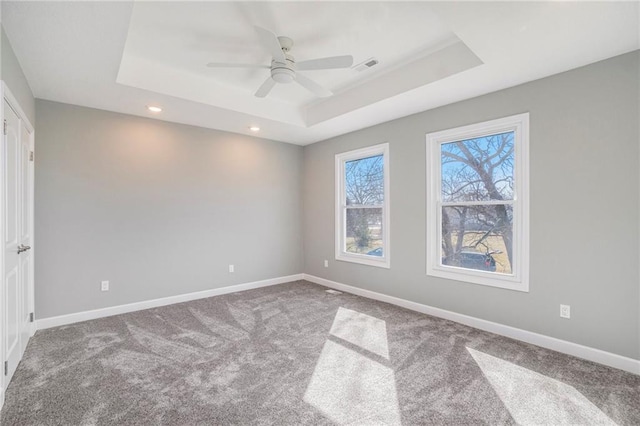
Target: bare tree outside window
(364, 188)
(477, 182)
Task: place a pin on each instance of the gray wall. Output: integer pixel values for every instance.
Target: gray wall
(159, 209)
(584, 160)
(11, 73)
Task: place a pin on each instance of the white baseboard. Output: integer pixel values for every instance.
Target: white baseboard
(154, 303)
(585, 352)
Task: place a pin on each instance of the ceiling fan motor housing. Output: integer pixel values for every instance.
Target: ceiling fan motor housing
(283, 72)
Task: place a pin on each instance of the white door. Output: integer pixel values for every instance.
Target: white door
(25, 224)
(17, 239)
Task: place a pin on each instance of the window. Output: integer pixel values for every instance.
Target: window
(477, 203)
(362, 206)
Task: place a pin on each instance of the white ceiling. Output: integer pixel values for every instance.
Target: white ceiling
(122, 56)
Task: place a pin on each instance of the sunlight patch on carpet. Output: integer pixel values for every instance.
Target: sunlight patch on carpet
(362, 330)
(535, 399)
(350, 387)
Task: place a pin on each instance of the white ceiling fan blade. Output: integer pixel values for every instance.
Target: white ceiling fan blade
(270, 41)
(326, 63)
(265, 88)
(312, 86)
(224, 65)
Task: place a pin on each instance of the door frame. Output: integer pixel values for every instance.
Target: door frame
(5, 94)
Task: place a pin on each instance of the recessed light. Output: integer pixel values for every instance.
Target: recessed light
(154, 108)
(254, 128)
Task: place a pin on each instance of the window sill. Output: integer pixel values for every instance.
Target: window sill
(508, 282)
(364, 260)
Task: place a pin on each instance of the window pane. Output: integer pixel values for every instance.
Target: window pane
(364, 183)
(364, 232)
(478, 237)
(478, 169)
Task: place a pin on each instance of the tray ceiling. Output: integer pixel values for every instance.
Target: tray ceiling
(121, 56)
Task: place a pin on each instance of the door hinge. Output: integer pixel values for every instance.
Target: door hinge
(5, 126)
(30, 155)
(31, 317)
(6, 368)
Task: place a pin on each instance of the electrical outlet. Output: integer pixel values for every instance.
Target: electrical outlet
(326, 263)
(565, 311)
(232, 268)
(104, 286)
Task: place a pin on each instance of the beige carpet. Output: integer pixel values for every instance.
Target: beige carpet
(293, 354)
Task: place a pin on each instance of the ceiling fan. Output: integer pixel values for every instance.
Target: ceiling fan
(284, 68)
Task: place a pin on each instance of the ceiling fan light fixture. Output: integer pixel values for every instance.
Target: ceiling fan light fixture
(283, 75)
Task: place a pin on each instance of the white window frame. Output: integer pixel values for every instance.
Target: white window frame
(519, 278)
(341, 207)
